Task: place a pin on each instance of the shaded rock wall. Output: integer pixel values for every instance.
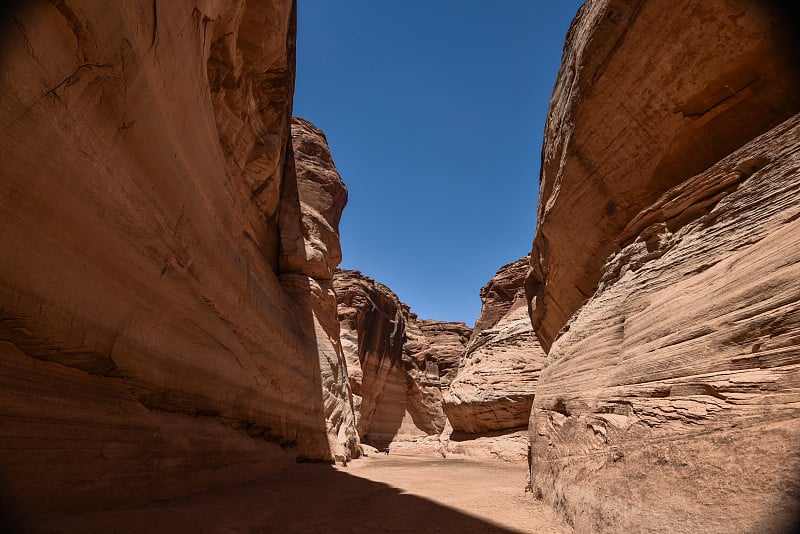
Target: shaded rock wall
(166, 305)
(396, 362)
(497, 375)
(668, 402)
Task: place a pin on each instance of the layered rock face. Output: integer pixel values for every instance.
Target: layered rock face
(396, 362)
(669, 210)
(643, 101)
(431, 355)
(497, 375)
(436, 346)
(310, 208)
(167, 306)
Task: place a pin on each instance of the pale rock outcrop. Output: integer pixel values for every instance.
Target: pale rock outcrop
(156, 332)
(508, 446)
(669, 400)
(395, 361)
(498, 372)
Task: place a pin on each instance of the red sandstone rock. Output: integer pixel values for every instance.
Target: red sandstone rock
(497, 376)
(395, 361)
(666, 256)
(436, 346)
(372, 327)
(312, 246)
(165, 312)
(644, 100)
(430, 356)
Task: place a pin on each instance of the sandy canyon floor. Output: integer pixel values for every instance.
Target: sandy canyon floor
(377, 494)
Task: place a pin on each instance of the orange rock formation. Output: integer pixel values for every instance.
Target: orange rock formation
(664, 272)
(497, 375)
(167, 306)
(396, 362)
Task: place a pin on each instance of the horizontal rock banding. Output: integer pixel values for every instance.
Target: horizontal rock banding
(497, 376)
(664, 273)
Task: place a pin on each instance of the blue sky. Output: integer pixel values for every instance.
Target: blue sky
(434, 112)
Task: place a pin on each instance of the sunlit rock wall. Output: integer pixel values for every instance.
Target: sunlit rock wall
(166, 311)
(497, 375)
(664, 272)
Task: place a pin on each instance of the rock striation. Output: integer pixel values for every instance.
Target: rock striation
(396, 362)
(498, 372)
(167, 316)
(664, 273)
(642, 102)
(436, 346)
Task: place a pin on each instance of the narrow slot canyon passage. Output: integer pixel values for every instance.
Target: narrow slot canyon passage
(582, 219)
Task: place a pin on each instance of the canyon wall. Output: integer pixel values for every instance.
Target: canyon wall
(396, 362)
(497, 375)
(167, 317)
(431, 354)
(432, 387)
(664, 272)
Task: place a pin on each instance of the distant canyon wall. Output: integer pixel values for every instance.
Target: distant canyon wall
(166, 303)
(664, 272)
(397, 363)
(497, 375)
(428, 386)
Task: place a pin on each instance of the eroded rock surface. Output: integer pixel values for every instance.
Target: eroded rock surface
(312, 246)
(167, 310)
(436, 346)
(372, 326)
(498, 372)
(396, 362)
(669, 400)
(643, 101)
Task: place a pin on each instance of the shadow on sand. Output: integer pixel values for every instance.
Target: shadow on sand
(304, 498)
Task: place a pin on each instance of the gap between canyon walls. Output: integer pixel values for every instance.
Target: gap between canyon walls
(172, 317)
(438, 388)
